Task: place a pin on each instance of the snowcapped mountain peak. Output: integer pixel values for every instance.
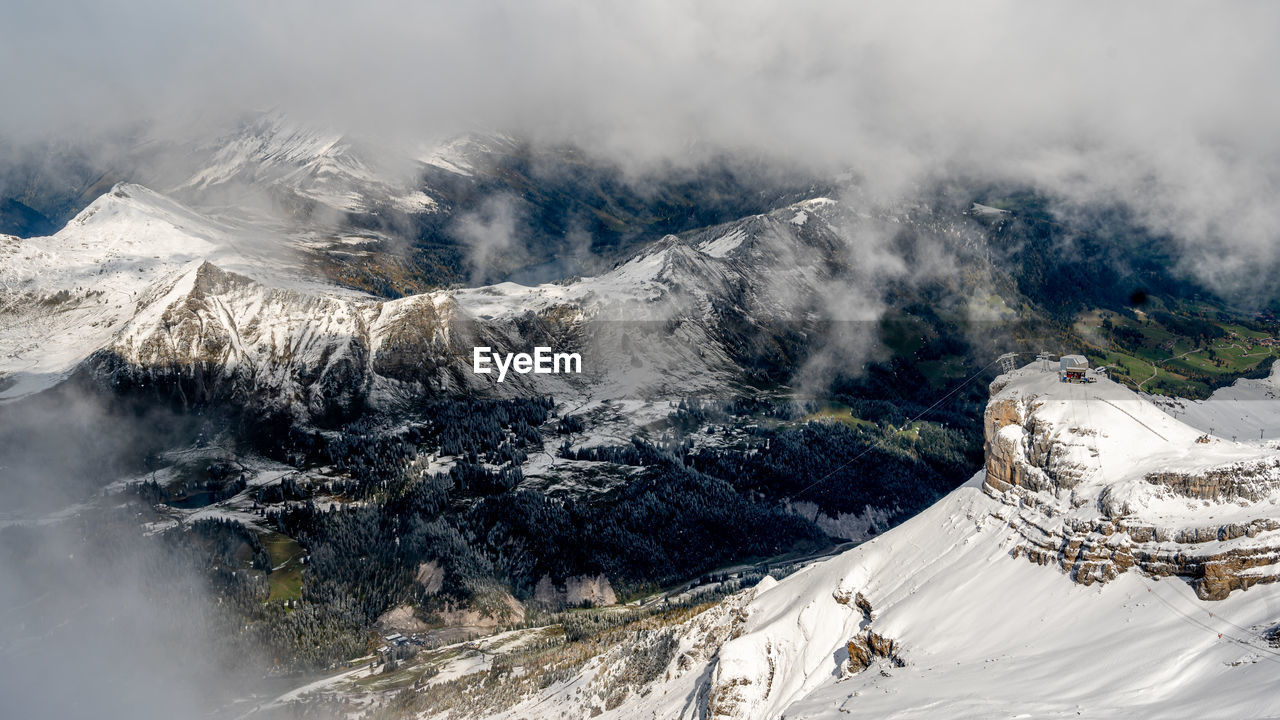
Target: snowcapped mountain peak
(69, 294)
(669, 259)
(268, 144)
(461, 155)
(129, 211)
(296, 163)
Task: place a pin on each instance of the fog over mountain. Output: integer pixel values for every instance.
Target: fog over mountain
(1168, 108)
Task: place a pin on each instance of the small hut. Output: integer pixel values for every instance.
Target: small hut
(1073, 368)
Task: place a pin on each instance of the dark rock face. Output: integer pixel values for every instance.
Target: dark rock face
(868, 646)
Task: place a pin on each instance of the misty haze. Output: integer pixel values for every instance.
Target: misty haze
(568, 360)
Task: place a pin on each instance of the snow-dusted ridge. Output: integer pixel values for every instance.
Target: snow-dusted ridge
(143, 291)
(300, 163)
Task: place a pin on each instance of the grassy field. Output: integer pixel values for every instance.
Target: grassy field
(285, 579)
(841, 413)
(912, 431)
(1146, 353)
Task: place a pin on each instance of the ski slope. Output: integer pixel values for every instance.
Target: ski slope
(987, 636)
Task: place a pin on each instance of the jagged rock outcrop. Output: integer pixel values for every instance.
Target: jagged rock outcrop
(870, 646)
(578, 591)
(1097, 481)
(207, 335)
(212, 335)
(866, 646)
(1249, 482)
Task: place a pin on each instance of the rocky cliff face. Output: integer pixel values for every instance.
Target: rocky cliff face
(1098, 482)
(578, 591)
(209, 335)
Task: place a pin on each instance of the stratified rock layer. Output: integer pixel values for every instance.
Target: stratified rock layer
(1099, 481)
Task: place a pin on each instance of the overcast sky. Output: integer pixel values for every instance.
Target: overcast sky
(814, 78)
(1172, 107)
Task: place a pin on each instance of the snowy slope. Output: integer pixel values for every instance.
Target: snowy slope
(684, 314)
(951, 620)
(644, 328)
(68, 294)
(153, 291)
(300, 163)
(1246, 409)
(460, 155)
(984, 635)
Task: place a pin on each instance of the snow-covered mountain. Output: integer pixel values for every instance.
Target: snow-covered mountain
(64, 296)
(1104, 482)
(461, 155)
(68, 294)
(301, 165)
(1146, 593)
(142, 291)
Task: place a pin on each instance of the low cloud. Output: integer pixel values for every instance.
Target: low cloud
(102, 623)
(96, 619)
(491, 239)
(1166, 108)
